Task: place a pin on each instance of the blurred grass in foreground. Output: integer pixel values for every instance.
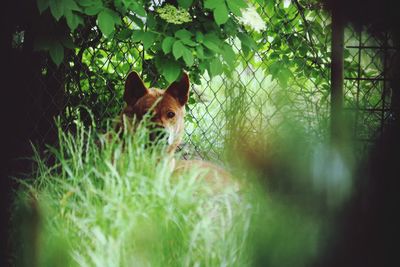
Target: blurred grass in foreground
(118, 203)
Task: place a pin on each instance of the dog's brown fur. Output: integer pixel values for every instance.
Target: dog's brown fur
(140, 100)
(167, 106)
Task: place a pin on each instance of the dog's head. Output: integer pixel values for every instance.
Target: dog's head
(166, 108)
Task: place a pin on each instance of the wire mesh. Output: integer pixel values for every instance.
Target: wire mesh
(368, 87)
(295, 44)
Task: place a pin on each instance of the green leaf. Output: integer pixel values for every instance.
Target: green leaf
(274, 68)
(93, 10)
(171, 71)
(221, 14)
(235, 6)
(137, 35)
(240, 3)
(247, 40)
(228, 54)
(212, 42)
(42, 5)
(167, 44)
(245, 50)
(215, 67)
(137, 8)
(71, 5)
(212, 4)
(148, 39)
(86, 3)
(189, 42)
(185, 3)
(57, 53)
(124, 34)
(199, 37)
(57, 9)
(183, 34)
(270, 7)
(73, 20)
(209, 53)
(200, 52)
(188, 57)
(120, 6)
(151, 22)
(203, 66)
(138, 21)
(177, 49)
(280, 72)
(230, 28)
(106, 21)
(284, 76)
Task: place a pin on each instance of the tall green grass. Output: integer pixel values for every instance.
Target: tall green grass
(115, 201)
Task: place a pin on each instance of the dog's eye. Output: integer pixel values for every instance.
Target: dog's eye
(170, 114)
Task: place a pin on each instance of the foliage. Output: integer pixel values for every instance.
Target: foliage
(142, 40)
(198, 35)
(285, 63)
(191, 35)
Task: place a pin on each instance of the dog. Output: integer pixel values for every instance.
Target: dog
(167, 111)
(167, 107)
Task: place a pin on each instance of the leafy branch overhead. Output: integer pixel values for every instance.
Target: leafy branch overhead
(187, 34)
(289, 40)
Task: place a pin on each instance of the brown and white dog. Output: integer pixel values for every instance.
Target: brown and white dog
(167, 109)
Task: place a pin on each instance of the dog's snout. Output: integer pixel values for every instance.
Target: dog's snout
(157, 132)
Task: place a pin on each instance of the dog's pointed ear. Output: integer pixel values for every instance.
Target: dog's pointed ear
(134, 88)
(180, 89)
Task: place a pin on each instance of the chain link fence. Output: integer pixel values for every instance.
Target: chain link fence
(289, 76)
(368, 88)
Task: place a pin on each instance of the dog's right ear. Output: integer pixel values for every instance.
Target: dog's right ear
(180, 89)
(134, 88)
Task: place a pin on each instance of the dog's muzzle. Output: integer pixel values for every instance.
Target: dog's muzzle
(162, 134)
(158, 133)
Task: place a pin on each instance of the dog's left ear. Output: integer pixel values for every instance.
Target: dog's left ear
(134, 88)
(180, 89)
